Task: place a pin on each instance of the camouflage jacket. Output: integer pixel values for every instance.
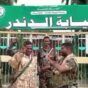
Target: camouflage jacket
(68, 77)
(43, 61)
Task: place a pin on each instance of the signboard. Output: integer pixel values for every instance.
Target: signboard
(44, 17)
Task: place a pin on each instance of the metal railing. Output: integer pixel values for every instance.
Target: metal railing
(80, 48)
(79, 40)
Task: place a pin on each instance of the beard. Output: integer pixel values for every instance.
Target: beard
(64, 54)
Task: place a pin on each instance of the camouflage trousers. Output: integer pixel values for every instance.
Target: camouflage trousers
(45, 83)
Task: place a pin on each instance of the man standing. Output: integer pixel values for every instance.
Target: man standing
(45, 70)
(25, 65)
(67, 68)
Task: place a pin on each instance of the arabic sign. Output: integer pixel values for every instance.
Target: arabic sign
(43, 17)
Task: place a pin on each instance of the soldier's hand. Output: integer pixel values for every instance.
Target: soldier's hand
(47, 67)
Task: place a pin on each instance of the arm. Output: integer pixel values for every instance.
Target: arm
(65, 66)
(14, 61)
(45, 68)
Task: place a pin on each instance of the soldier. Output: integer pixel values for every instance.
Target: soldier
(25, 65)
(66, 67)
(45, 72)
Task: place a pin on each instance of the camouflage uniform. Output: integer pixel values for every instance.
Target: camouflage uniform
(45, 77)
(66, 79)
(29, 78)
